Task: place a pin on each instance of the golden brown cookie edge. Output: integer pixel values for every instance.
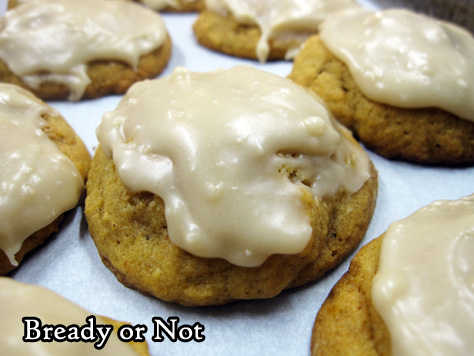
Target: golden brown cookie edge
(425, 136)
(347, 323)
(107, 77)
(279, 272)
(227, 36)
(71, 145)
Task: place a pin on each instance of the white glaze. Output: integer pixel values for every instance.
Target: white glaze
(218, 146)
(18, 300)
(61, 37)
(280, 19)
(405, 59)
(38, 182)
(424, 287)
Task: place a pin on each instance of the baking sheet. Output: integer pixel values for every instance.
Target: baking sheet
(70, 265)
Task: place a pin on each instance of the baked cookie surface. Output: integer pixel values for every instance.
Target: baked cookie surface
(110, 70)
(405, 288)
(130, 233)
(175, 5)
(347, 323)
(238, 248)
(69, 143)
(271, 30)
(107, 77)
(161, 5)
(425, 135)
(226, 35)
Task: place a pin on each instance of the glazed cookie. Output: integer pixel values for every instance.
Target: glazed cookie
(44, 166)
(99, 48)
(265, 30)
(14, 3)
(228, 185)
(19, 300)
(403, 89)
(174, 5)
(406, 288)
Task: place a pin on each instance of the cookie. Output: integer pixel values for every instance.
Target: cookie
(159, 5)
(217, 242)
(175, 5)
(14, 3)
(425, 135)
(347, 323)
(271, 31)
(396, 272)
(21, 300)
(103, 49)
(45, 166)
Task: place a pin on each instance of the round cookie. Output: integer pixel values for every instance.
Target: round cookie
(61, 133)
(175, 5)
(160, 5)
(19, 299)
(270, 31)
(12, 4)
(347, 323)
(425, 135)
(406, 288)
(132, 233)
(107, 76)
(226, 35)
